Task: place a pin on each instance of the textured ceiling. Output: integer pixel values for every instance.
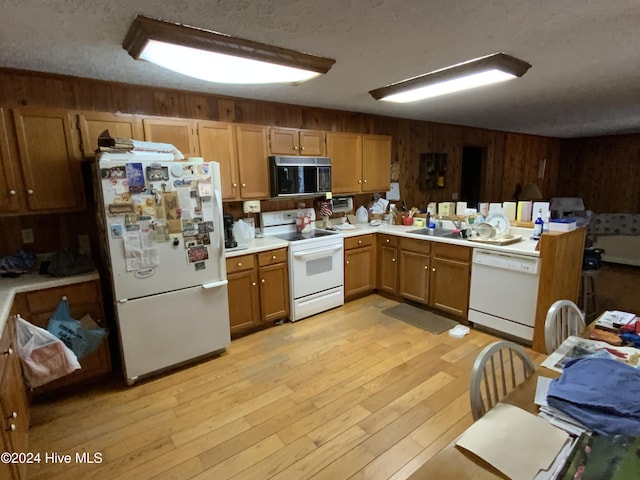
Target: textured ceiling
(585, 53)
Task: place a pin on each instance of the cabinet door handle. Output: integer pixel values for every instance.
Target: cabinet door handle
(262, 281)
(30, 191)
(295, 147)
(347, 262)
(393, 259)
(13, 415)
(234, 185)
(244, 185)
(359, 181)
(426, 267)
(9, 351)
(433, 269)
(365, 180)
(12, 428)
(12, 192)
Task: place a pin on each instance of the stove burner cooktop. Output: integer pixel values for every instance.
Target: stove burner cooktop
(295, 236)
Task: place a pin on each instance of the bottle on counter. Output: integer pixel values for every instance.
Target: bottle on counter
(538, 226)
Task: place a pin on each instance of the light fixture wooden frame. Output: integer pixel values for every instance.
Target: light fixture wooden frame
(144, 29)
(499, 61)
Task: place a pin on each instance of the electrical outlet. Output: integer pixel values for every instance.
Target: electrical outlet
(27, 235)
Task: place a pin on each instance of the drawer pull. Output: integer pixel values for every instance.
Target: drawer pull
(359, 242)
(273, 257)
(388, 240)
(239, 264)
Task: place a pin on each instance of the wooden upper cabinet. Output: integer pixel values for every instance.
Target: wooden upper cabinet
(92, 124)
(291, 141)
(8, 181)
(49, 158)
(253, 164)
(217, 141)
(180, 132)
(345, 152)
(376, 163)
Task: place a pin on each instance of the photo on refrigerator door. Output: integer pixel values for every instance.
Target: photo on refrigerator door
(198, 253)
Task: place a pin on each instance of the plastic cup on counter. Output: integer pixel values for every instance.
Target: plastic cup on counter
(407, 221)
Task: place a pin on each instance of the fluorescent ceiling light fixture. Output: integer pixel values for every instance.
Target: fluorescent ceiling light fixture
(474, 73)
(216, 57)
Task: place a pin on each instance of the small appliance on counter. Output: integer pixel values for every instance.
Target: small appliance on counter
(229, 240)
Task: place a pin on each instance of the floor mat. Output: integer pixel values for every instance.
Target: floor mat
(417, 317)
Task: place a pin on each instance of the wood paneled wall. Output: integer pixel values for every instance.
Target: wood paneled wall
(604, 171)
(512, 159)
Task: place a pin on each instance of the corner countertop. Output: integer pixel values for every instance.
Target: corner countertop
(9, 287)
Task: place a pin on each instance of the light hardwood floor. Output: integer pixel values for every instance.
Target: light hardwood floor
(350, 393)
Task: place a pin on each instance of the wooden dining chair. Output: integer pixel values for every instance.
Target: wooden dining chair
(498, 370)
(564, 319)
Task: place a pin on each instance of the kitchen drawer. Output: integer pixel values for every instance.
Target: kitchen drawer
(359, 241)
(456, 252)
(239, 264)
(272, 256)
(387, 240)
(47, 300)
(414, 245)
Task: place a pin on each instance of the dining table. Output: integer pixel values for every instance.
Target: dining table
(458, 464)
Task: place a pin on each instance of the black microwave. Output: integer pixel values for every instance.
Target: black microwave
(292, 176)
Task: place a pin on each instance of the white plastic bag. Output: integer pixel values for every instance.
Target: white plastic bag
(44, 357)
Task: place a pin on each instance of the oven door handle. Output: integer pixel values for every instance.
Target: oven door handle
(311, 254)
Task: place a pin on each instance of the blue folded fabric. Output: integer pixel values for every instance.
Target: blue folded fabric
(601, 393)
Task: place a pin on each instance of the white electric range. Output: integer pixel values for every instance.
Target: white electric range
(316, 269)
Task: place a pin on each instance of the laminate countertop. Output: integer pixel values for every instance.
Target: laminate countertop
(30, 282)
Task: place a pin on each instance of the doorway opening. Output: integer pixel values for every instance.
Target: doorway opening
(472, 175)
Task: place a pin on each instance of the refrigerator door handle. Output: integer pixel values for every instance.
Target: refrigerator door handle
(220, 283)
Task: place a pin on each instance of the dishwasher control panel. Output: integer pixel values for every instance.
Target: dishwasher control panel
(506, 261)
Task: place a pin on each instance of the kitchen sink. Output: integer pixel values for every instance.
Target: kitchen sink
(437, 232)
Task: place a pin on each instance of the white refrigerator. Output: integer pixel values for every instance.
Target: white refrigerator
(164, 240)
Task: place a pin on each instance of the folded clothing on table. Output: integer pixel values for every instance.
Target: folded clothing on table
(601, 393)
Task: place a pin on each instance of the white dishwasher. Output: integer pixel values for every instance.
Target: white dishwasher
(504, 292)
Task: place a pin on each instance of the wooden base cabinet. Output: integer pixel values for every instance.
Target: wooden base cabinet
(243, 293)
(387, 278)
(450, 278)
(83, 298)
(359, 266)
(414, 270)
(14, 406)
(258, 289)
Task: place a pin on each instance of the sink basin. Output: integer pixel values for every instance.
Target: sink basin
(434, 232)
